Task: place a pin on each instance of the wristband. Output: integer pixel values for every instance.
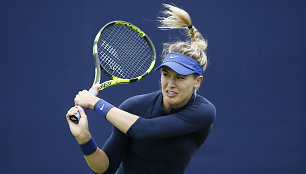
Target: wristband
(102, 107)
(89, 147)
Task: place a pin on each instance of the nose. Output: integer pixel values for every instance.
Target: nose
(171, 83)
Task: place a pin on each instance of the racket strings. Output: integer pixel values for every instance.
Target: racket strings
(124, 53)
(133, 50)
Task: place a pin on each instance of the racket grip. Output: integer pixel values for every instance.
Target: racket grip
(76, 117)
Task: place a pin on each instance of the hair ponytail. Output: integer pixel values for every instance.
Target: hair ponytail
(177, 18)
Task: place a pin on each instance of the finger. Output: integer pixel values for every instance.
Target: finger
(73, 109)
(72, 112)
(69, 113)
(76, 100)
(81, 92)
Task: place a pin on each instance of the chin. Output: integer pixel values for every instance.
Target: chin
(171, 101)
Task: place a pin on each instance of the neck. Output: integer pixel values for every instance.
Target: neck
(168, 107)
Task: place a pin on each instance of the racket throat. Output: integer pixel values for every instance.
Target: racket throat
(112, 83)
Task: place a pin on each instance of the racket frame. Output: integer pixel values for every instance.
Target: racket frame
(117, 80)
(97, 86)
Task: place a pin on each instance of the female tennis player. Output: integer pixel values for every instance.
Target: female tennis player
(157, 132)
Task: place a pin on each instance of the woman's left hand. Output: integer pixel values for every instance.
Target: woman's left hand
(86, 99)
(80, 130)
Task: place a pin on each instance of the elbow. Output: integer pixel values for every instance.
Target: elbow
(142, 129)
(99, 171)
(140, 133)
(140, 136)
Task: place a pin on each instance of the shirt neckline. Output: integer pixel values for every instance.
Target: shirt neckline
(160, 108)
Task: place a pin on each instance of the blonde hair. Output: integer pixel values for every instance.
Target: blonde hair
(176, 18)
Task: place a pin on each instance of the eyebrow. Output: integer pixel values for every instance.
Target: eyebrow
(164, 69)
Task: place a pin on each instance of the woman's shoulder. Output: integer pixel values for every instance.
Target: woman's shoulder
(200, 100)
(203, 107)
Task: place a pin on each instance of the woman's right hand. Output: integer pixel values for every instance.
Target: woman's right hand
(80, 130)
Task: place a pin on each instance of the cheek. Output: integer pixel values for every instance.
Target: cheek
(162, 83)
(187, 87)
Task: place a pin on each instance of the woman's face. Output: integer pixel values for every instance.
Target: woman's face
(177, 89)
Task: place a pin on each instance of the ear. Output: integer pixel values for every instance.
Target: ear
(198, 81)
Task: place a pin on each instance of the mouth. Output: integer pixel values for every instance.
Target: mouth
(171, 93)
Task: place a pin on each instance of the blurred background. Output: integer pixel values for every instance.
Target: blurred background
(255, 78)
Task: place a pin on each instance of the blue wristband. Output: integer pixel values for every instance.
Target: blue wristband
(102, 107)
(89, 147)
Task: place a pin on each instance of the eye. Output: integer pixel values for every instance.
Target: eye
(165, 74)
(180, 77)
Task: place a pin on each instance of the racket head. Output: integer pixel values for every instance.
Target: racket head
(123, 52)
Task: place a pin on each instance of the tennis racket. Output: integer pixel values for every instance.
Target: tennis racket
(124, 53)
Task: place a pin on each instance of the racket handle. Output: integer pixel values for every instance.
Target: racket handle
(76, 117)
